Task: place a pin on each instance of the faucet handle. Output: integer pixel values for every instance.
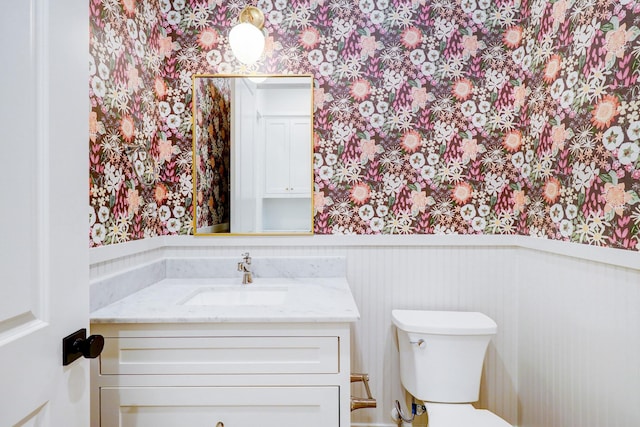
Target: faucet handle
(246, 257)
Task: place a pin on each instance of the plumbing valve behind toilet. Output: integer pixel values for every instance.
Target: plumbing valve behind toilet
(362, 402)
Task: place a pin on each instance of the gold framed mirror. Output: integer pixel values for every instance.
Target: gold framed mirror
(252, 154)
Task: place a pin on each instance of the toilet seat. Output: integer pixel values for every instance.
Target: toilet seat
(461, 415)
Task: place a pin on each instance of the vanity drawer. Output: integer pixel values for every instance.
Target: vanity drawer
(220, 355)
(229, 406)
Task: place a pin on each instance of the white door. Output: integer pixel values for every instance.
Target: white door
(243, 149)
(277, 159)
(300, 156)
(43, 210)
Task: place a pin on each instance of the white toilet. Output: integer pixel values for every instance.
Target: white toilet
(441, 357)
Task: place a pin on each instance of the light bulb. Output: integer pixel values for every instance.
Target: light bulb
(247, 42)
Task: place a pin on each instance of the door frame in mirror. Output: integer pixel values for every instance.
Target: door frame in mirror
(226, 229)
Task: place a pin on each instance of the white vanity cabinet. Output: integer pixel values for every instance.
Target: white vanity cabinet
(235, 374)
(287, 156)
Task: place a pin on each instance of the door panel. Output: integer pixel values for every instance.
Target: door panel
(300, 147)
(43, 222)
(276, 156)
(21, 290)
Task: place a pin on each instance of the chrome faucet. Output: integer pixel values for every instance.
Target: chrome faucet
(245, 267)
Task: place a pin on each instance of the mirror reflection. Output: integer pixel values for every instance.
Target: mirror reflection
(252, 154)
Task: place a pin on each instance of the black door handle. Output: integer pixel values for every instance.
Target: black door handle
(78, 344)
(90, 347)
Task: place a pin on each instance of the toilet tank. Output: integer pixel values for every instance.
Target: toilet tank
(442, 352)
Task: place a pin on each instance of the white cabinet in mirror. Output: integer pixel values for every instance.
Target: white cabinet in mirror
(252, 142)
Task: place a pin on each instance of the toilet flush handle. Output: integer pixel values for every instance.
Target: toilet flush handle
(420, 342)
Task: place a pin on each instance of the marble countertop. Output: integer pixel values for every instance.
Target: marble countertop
(314, 299)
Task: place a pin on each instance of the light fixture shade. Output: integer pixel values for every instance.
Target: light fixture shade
(247, 42)
(257, 79)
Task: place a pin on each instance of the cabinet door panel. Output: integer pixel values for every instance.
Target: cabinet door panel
(233, 406)
(300, 154)
(276, 156)
(220, 355)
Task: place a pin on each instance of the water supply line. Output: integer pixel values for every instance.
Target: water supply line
(398, 415)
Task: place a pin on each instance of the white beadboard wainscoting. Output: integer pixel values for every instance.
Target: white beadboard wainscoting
(568, 343)
(579, 342)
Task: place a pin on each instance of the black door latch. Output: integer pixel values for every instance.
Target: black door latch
(77, 344)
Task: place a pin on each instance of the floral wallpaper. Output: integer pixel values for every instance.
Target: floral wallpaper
(213, 150)
(583, 120)
(431, 117)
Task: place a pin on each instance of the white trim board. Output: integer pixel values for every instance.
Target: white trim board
(617, 257)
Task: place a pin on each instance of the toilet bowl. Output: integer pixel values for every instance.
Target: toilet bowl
(461, 415)
(441, 358)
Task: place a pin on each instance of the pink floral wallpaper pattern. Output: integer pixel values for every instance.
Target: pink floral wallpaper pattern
(431, 117)
(212, 150)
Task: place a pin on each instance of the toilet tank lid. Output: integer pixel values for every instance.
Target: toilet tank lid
(444, 322)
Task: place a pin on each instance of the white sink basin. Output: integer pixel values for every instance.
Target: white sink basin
(236, 296)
